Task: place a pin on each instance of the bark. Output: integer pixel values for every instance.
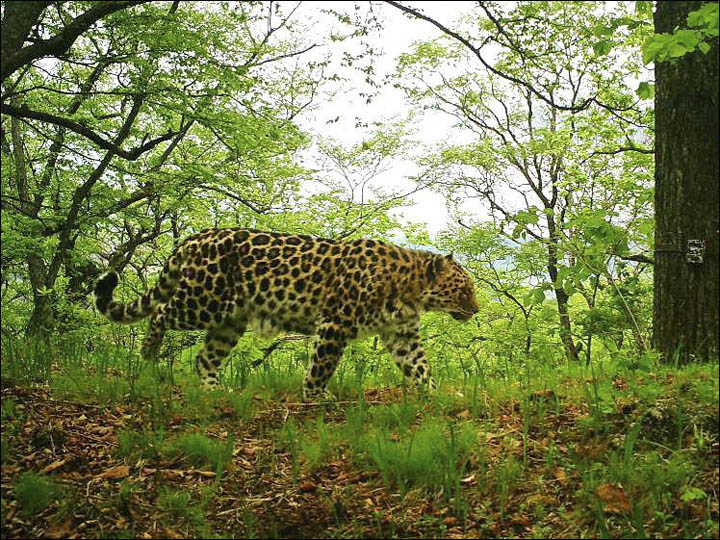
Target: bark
(561, 297)
(42, 319)
(687, 196)
(19, 19)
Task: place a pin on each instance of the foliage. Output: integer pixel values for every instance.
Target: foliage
(701, 33)
(575, 181)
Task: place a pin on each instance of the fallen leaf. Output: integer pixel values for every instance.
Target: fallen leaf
(542, 500)
(61, 530)
(170, 533)
(227, 412)
(468, 479)
(307, 486)
(521, 520)
(53, 466)
(116, 472)
(613, 499)
(172, 473)
(542, 394)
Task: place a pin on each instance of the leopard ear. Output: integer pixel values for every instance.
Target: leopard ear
(435, 267)
(450, 257)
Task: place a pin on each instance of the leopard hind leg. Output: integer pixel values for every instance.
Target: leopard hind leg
(154, 338)
(219, 342)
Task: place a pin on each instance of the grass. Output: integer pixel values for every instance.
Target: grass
(143, 444)
(197, 450)
(433, 456)
(181, 508)
(35, 492)
(625, 449)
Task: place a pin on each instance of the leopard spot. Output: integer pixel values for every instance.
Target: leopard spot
(260, 240)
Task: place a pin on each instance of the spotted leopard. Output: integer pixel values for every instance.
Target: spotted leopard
(226, 280)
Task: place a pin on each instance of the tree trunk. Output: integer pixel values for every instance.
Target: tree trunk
(42, 319)
(561, 296)
(687, 197)
(565, 325)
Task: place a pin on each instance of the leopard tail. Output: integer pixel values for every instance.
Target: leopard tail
(146, 304)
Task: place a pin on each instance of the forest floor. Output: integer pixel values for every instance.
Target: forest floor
(623, 453)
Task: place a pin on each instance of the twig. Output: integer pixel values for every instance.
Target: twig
(498, 435)
(319, 403)
(90, 437)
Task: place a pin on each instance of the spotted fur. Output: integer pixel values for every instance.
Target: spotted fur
(226, 280)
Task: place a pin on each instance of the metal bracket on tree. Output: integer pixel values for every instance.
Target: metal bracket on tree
(695, 253)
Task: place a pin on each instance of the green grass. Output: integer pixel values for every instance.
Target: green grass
(5, 449)
(432, 456)
(180, 506)
(134, 445)
(317, 449)
(197, 450)
(25, 360)
(35, 492)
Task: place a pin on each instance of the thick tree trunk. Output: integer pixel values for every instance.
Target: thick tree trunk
(687, 197)
(42, 319)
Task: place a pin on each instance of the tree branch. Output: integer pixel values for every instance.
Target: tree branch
(476, 51)
(80, 129)
(637, 258)
(12, 60)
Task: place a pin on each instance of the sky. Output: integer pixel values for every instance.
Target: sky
(396, 37)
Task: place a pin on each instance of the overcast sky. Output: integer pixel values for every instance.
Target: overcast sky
(396, 37)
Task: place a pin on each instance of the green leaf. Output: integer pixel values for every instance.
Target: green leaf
(569, 288)
(538, 296)
(687, 38)
(645, 90)
(704, 47)
(676, 50)
(643, 8)
(690, 493)
(602, 48)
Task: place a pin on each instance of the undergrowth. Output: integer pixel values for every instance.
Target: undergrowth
(616, 448)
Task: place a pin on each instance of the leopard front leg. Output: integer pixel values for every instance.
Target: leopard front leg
(332, 339)
(404, 345)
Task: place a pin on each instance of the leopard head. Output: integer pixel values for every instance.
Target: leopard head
(450, 288)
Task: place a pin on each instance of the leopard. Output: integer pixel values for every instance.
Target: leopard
(229, 280)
